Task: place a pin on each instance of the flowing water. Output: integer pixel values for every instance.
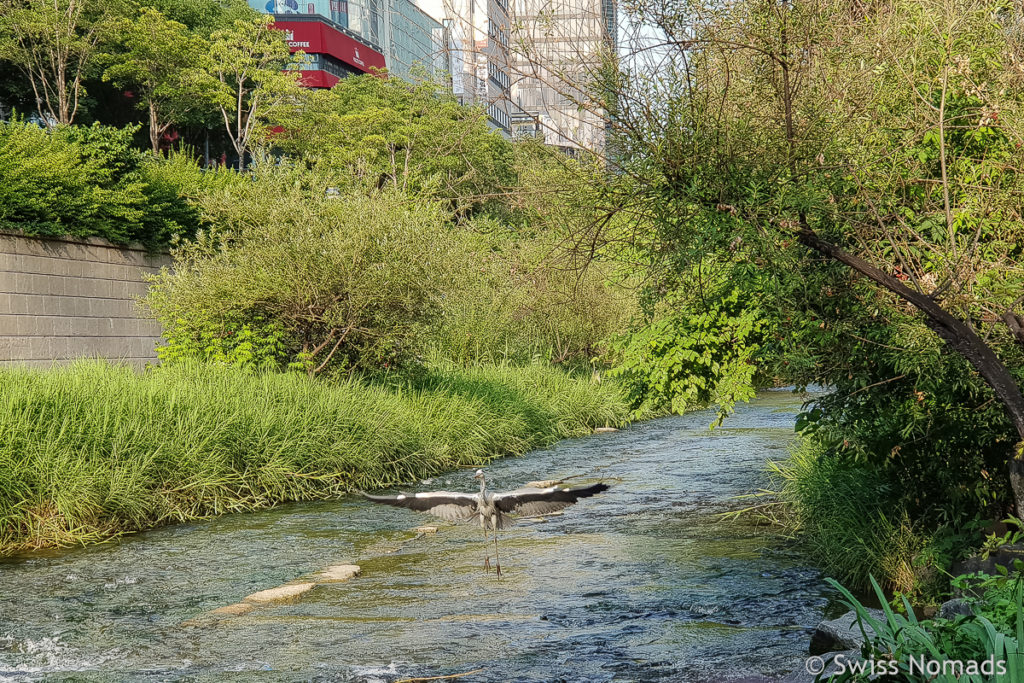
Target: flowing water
(644, 582)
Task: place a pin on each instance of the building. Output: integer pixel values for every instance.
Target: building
(417, 44)
(346, 37)
(557, 48)
(477, 46)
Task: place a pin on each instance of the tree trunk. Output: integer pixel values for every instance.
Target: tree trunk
(154, 129)
(958, 334)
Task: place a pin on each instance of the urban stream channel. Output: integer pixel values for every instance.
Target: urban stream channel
(644, 582)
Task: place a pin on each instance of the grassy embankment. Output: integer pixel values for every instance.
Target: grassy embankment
(92, 451)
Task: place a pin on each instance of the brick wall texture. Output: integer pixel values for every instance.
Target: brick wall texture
(63, 299)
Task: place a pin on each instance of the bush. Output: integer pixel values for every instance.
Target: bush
(347, 281)
(513, 305)
(993, 634)
(92, 450)
(83, 182)
(850, 519)
(693, 357)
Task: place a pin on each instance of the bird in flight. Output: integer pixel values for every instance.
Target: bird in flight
(492, 510)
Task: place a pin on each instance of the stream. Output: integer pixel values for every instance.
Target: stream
(645, 582)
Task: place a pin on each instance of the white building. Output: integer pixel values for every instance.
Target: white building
(478, 52)
(557, 49)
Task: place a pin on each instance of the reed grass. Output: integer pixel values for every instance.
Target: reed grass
(90, 451)
(847, 519)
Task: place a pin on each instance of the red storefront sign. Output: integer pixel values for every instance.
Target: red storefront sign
(317, 37)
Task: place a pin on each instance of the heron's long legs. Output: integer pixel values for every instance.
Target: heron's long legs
(497, 562)
(487, 559)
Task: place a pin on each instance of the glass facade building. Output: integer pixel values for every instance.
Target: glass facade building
(343, 37)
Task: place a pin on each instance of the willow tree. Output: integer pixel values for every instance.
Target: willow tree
(883, 139)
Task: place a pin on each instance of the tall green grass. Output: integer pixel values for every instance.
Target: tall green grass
(92, 450)
(847, 518)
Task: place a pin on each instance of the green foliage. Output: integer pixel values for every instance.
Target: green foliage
(852, 521)
(92, 450)
(83, 182)
(253, 80)
(204, 17)
(513, 303)
(993, 633)
(416, 138)
(354, 281)
(163, 62)
(55, 46)
(917, 415)
(258, 344)
(692, 358)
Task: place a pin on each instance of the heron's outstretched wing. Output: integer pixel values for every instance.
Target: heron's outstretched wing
(447, 505)
(532, 502)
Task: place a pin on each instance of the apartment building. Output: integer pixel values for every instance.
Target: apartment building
(477, 46)
(557, 47)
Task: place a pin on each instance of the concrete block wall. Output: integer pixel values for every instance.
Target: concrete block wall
(65, 299)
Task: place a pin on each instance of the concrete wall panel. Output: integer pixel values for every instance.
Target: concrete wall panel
(67, 299)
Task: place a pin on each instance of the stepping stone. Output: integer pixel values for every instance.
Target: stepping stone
(279, 594)
(426, 529)
(605, 430)
(339, 572)
(543, 483)
(235, 610)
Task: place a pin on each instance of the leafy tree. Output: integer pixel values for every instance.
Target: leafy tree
(386, 132)
(802, 144)
(256, 80)
(163, 62)
(54, 43)
(204, 17)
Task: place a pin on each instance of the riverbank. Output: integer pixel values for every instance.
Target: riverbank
(92, 451)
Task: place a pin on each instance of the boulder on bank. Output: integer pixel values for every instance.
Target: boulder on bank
(957, 607)
(1004, 556)
(840, 634)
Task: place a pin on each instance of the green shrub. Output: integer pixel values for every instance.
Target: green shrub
(514, 306)
(693, 357)
(92, 450)
(901, 643)
(84, 182)
(351, 281)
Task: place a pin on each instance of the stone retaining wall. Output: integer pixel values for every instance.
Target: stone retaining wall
(66, 299)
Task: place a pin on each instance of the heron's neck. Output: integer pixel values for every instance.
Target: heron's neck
(483, 485)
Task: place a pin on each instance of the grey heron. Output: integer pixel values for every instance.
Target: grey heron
(493, 510)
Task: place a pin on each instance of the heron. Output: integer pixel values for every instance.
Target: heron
(492, 510)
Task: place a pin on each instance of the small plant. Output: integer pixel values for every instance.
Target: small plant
(1014, 535)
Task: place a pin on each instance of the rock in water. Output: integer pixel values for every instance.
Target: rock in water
(339, 572)
(235, 610)
(842, 634)
(280, 594)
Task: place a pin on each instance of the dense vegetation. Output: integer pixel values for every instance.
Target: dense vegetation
(816, 193)
(835, 188)
(369, 291)
(92, 450)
